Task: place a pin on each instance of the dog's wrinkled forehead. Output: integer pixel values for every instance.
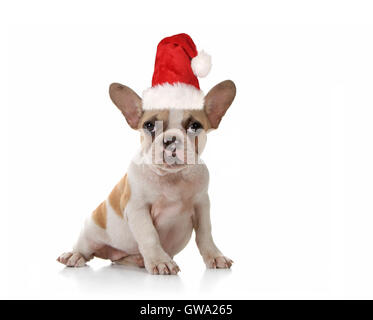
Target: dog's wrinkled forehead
(175, 119)
(153, 115)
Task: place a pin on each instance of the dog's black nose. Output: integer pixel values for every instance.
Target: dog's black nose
(169, 140)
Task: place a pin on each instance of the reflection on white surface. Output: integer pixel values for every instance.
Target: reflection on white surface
(120, 278)
(124, 281)
(45, 278)
(213, 277)
(264, 279)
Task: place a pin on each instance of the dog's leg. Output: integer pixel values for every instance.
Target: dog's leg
(84, 248)
(211, 255)
(82, 252)
(132, 260)
(156, 260)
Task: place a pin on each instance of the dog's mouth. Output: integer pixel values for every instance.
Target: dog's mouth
(173, 157)
(167, 169)
(172, 162)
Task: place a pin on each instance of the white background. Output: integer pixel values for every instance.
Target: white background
(291, 165)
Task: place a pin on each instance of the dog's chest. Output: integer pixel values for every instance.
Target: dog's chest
(172, 214)
(173, 199)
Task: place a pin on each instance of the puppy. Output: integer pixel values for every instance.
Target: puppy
(150, 214)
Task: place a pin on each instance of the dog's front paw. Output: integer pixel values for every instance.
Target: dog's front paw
(165, 266)
(72, 259)
(217, 262)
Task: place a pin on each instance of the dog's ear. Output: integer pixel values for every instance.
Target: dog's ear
(218, 100)
(128, 102)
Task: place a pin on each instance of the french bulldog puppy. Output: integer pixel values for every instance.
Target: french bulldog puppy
(150, 214)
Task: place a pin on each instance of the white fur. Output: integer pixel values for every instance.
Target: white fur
(173, 96)
(175, 119)
(201, 64)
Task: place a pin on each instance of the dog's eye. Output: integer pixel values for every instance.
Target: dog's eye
(194, 127)
(149, 126)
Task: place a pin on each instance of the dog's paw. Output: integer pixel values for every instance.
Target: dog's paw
(72, 259)
(218, 262)
(162, 266)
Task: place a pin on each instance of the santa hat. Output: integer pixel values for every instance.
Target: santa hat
(175, 84)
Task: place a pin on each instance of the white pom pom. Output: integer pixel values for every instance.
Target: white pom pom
(201, 64)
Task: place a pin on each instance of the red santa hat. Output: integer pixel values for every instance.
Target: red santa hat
(175, 84)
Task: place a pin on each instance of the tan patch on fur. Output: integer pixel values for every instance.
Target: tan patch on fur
(120, 196)
(99, 215)
(200, 116)
(126, 195)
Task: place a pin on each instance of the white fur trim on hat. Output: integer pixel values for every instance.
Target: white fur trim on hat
(201, 64)
(173, 96)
